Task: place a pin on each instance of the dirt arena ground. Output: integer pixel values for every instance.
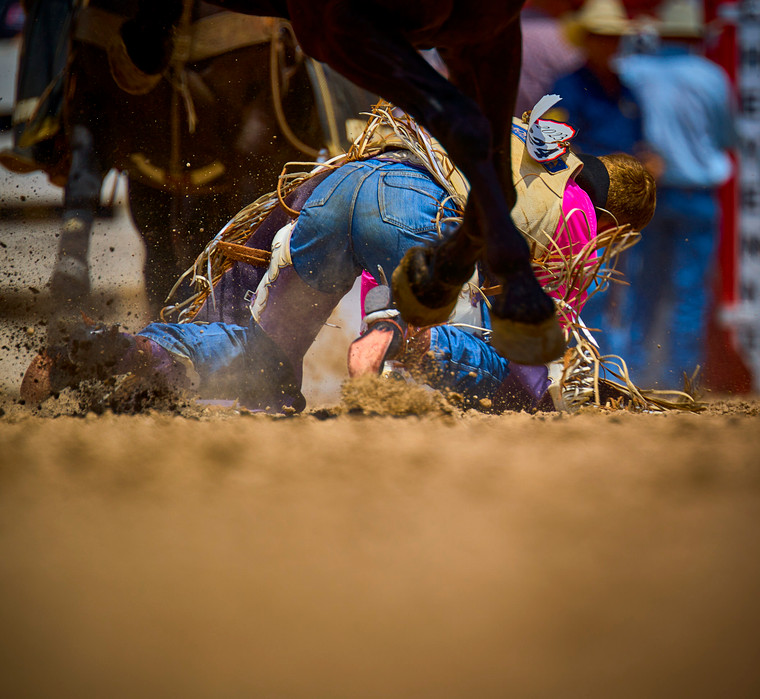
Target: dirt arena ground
(217, 554)
(367, 548)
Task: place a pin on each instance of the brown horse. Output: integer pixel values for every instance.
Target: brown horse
(197, 146)
(373, 43)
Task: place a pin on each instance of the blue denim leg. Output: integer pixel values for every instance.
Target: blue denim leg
(210, 347)
(366, 214)
(692, 282)
(670, 287)
(460, 362)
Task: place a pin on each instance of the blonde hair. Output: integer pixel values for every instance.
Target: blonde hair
(632, 194)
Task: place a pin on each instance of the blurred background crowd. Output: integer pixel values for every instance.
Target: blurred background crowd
(659, 80)
(671, 82)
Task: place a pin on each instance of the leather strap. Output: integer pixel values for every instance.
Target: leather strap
(210, 36)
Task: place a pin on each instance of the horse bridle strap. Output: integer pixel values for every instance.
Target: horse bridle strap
(210, 36)
(225, 32)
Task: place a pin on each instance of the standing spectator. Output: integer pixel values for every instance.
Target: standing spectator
(688, 118)
(547, 54)
(607, 117)
(604, 111)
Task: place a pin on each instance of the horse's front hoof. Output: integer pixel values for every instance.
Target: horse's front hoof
(126, 74)
(406, 294)
(528, 343)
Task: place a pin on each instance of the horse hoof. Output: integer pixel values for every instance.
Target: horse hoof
(126, 74)
(528, 343)
(413, 311)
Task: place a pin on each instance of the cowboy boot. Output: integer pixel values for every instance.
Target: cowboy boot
(386, 338)
(96, 352)
(287, 317)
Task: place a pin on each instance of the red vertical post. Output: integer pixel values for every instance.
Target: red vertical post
(725, 371)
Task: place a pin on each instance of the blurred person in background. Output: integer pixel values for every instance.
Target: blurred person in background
(604, 111)
(687, 108)
(607, 116)
(547, 53)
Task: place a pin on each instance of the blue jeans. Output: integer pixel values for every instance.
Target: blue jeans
(212, 348)
(366, 215)
(662, 316)
(460, 362)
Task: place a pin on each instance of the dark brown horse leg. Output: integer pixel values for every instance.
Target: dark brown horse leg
(428, 280)
(523, 317)
(70, 282)
(379, 59)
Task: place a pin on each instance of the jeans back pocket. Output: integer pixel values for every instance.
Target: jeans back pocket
(410, 200)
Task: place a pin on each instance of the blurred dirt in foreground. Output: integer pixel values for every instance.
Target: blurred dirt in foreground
(336, 554)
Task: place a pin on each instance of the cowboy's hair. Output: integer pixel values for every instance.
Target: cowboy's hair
(632, 194)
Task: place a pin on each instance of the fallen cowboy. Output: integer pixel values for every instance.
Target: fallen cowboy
(302, 248)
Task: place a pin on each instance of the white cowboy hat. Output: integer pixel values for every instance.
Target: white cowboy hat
(681, 18)
(602, 17)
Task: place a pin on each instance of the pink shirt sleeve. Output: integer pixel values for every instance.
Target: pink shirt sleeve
(574, 231)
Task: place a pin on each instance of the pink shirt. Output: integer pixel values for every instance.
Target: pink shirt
(575, 232)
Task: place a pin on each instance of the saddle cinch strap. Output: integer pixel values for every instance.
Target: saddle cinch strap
(210, 36)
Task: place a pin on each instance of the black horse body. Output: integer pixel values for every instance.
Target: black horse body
(374, 44)
(197, 147)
